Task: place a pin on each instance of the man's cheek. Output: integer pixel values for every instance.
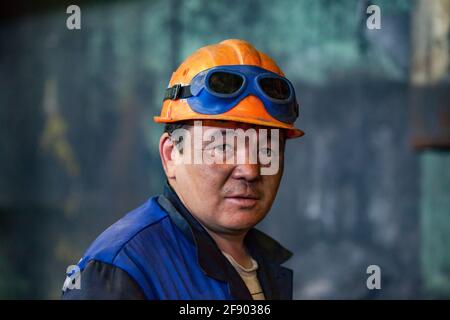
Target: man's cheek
(273, 167)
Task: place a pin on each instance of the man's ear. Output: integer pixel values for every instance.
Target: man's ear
(167, 151)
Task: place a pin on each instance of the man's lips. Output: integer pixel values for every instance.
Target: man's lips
(242, 195)
(243, 200)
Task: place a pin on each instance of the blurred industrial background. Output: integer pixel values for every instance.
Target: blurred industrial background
(369, 183)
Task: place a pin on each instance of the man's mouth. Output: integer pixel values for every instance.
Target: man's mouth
(243, 200)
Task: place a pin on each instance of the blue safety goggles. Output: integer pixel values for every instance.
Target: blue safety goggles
(218, 89)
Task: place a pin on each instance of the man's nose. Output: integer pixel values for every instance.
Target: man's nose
(246, 171)
(247, 165)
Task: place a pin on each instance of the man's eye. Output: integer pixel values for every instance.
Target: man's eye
(223, 148)
(266, 152)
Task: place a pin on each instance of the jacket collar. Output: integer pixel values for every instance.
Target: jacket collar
(268, 252)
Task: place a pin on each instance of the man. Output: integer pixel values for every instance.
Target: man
(197, 240)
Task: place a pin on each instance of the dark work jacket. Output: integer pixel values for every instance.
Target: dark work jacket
(160, 251)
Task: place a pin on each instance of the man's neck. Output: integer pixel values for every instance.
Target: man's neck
(233, 245)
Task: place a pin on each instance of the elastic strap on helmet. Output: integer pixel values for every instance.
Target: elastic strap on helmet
(178, 92)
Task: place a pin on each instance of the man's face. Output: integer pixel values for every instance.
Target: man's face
(227, 197)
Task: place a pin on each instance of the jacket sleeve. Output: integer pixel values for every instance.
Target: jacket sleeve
(102, 281)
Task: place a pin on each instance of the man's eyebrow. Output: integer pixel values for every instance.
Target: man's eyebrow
(213, 133)
(224, 131)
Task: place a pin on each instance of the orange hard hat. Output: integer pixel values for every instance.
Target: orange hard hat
(248, 110)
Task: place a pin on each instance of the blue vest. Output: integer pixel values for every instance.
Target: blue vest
(170, 256)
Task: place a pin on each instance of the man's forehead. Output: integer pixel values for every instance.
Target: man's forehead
(224, 128)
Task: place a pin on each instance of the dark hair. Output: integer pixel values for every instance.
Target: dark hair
(171, 127)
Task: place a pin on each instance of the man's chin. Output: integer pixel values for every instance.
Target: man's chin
(243, 221)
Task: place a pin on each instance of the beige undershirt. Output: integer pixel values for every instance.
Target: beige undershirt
(249, 276)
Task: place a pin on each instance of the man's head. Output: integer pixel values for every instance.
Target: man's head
(231, 88)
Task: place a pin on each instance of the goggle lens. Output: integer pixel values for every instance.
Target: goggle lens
(225, 82)
(275, 88)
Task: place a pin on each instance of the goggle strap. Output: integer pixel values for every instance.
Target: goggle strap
(178, 92)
